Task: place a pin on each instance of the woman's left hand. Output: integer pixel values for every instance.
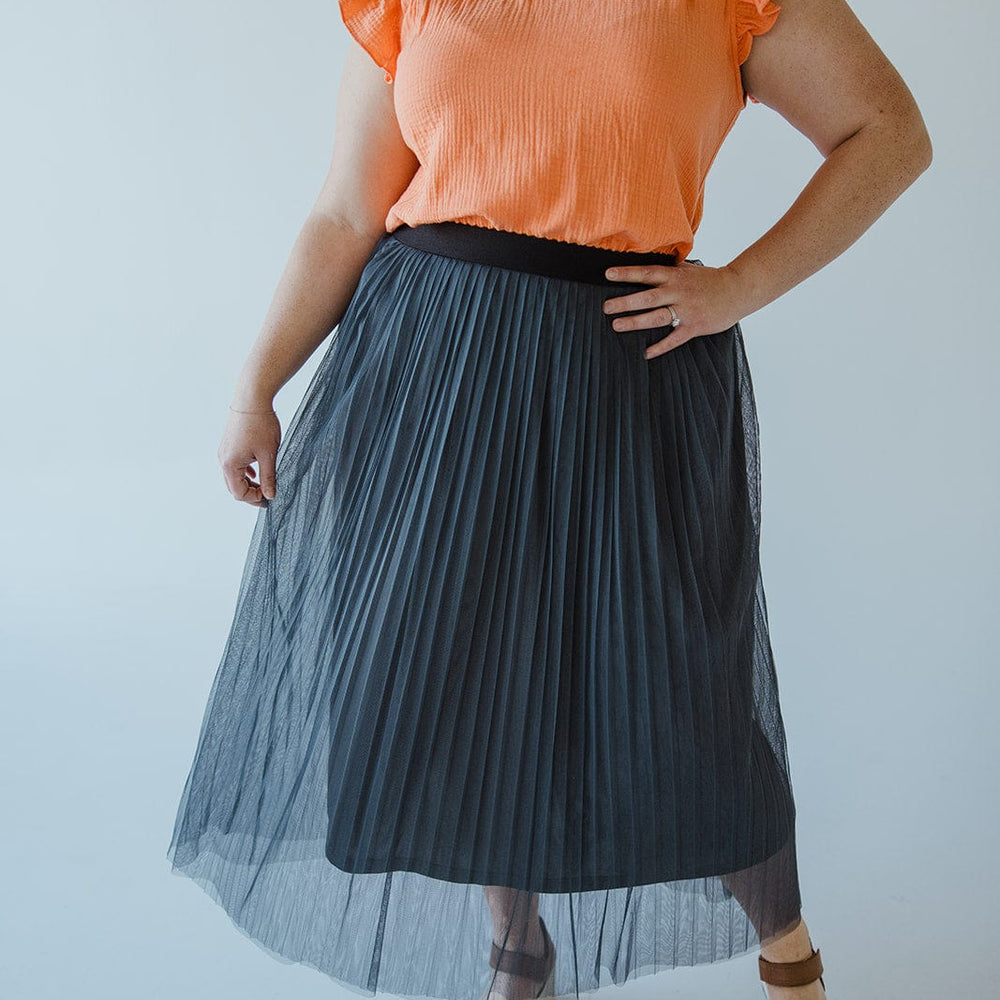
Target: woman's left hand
(706, 299)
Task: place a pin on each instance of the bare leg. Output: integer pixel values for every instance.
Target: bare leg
(790, 948)
(785, 944)
(515, 928)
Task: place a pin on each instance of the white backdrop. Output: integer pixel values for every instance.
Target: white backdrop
(159, 159)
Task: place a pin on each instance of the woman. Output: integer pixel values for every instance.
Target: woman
(497, 713)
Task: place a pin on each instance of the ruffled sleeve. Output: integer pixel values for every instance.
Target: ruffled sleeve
(376, 25)
(753, 17)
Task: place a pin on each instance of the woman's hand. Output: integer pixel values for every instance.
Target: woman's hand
(706, 300)
(250, 436)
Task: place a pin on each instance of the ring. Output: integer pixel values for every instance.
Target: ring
(677, 318)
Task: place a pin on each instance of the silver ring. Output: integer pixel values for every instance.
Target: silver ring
(677, 318)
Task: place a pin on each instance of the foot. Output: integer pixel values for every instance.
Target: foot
(792, 947)
(506, 985)
(811, 991)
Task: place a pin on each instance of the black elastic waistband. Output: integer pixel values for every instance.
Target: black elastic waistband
(523, 252)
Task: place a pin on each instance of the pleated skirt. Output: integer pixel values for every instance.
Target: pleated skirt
(502, 625)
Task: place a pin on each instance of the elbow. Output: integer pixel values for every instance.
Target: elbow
(906, 143)
(913, 141)
(911, 154)
(925, 149)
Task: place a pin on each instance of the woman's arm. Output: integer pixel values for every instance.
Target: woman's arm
(370, 167)
(823, 73)
(820, 70)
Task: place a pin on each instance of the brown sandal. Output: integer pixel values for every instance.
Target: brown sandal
(800, 973)
(519, 963)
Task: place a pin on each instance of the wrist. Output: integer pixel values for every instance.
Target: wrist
(741, 293)
(252, 400)
(251, 411)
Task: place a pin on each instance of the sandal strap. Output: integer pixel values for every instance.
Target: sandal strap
(520, 963)
(799, 973)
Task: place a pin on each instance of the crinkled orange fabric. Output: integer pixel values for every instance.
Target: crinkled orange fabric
(591, 122)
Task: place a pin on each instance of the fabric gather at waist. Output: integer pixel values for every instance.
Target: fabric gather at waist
(524, 252)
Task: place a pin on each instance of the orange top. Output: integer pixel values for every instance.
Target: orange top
(594, 122)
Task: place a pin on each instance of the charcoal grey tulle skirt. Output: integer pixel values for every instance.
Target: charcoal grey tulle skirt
(503, 625)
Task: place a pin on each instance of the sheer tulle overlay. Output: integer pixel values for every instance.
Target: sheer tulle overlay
(503, 625)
